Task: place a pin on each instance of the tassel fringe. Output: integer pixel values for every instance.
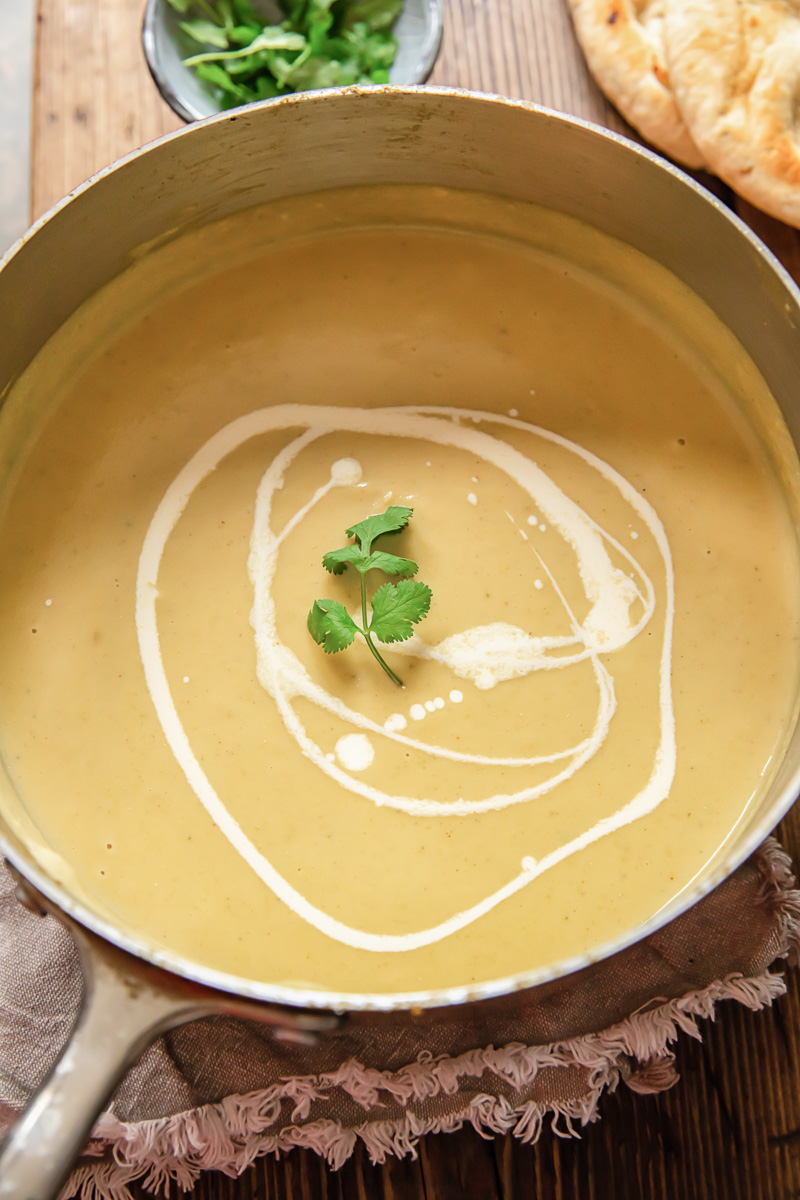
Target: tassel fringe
(231, 1135)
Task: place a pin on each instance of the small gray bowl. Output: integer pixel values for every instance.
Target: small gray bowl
(418, 31)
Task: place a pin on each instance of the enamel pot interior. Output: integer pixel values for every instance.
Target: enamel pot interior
(454, 139)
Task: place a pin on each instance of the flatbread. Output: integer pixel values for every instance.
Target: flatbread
(735, 69)
(623, 43)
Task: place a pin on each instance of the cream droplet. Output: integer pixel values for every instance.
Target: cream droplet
(456, 696)
(186, 679)
(430, 706)
(537, 583)
(634, 534)
(417, 712)
(354, 751)
(513, 412)
(48, 603)
(533, 520)
(345, 472)
(473, 499)
(438, 702)
(394, 722)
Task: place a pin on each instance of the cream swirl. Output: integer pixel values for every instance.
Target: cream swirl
(487, 655)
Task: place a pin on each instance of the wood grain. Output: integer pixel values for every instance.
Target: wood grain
(730, 1130)
(94, 100)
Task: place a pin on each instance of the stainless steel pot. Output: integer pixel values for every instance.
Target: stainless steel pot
(250, 156)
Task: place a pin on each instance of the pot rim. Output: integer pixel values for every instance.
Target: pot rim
(313, 998)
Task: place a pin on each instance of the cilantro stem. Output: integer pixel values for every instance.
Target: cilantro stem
(368, 637)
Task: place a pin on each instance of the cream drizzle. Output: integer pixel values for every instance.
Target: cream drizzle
(606, 628)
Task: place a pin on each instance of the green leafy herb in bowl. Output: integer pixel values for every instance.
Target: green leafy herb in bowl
(317, 44)
(209, 55)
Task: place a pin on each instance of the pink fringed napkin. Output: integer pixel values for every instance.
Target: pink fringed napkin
(218, 1093)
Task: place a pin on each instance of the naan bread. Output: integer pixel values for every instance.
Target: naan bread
(624, 46)
(735, 69)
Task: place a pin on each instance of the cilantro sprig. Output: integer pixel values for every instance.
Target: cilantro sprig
(247, 52)
(396, 607)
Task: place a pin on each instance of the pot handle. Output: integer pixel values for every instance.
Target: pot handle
(126, 1004)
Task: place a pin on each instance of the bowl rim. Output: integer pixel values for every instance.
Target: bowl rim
(319, 998)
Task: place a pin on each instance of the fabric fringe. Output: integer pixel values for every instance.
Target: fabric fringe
(229, 1136)
(777, 893)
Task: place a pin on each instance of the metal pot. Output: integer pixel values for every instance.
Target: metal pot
(227, 164)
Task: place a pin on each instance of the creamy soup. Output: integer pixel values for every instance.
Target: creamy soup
(603, 500)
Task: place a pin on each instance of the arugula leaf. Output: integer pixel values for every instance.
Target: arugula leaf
(284, 69)
(212, 73)
(272, 38)
(243, 35)
(244, 12)
(375, 51)
(396, 608)
(375, 14)
(331, 626)
(295, 10)
(206, 33)
(318, 72)
(319, 43)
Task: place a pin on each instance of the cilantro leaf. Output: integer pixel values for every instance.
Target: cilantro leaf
(396, 608)
(331, 626)
(393, 520)
(335, 561)
(391, 564)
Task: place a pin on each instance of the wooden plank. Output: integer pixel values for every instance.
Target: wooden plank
(520, 48)
(94, 100)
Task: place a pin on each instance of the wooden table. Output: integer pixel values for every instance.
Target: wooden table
(730, 1130)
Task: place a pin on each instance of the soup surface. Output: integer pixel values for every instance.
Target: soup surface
(601, 491)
